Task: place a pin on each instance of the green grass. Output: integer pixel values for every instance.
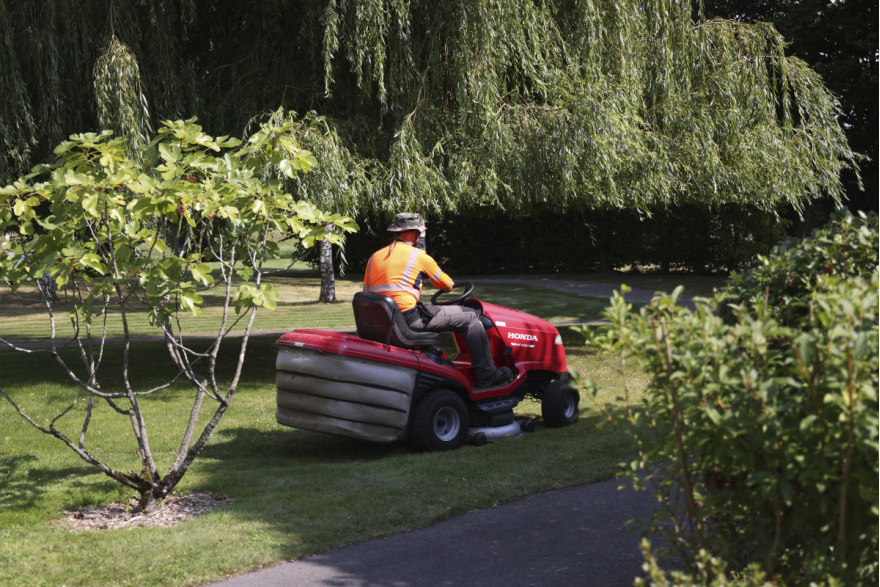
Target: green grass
(24, 319)
(295, 493)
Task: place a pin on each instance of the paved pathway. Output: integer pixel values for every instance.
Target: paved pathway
(589, 288)
(575, 536)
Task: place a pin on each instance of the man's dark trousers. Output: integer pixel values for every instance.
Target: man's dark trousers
(461, 320)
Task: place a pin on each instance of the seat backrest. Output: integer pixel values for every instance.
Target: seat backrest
(378, 318)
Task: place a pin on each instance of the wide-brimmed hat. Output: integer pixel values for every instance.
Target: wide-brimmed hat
(407, 221)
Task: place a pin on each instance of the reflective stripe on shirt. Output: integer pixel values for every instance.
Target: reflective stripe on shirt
(410, 265)
(392, 287)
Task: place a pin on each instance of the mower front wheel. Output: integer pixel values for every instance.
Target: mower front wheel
(559, 404)
(440, 422)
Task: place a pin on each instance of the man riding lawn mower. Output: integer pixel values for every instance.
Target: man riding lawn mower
(399, 270)
(394, 382)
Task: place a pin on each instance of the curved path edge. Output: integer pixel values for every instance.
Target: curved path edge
(574, 536)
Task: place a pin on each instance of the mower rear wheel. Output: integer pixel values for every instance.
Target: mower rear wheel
(559, 404)
(439, 422)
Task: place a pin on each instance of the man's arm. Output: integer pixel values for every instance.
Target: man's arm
(436, 276)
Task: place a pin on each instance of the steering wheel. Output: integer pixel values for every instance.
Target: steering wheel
(468, 290)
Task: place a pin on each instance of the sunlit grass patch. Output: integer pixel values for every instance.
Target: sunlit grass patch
(24, 318)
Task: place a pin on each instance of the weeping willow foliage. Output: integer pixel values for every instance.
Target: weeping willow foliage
(594, 103)
(444, 106)
(68, 66)
(18, 132)
(121, 105)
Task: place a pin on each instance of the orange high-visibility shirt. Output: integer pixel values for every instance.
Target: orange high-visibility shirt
(399, 270)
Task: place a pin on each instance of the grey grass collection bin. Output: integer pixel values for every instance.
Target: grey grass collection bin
(343, 395)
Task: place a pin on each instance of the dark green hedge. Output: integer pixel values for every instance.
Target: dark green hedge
(484, 243)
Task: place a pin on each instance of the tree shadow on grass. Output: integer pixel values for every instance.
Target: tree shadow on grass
(295, 447)
(322, 491)
(24, 481)
(149, 366)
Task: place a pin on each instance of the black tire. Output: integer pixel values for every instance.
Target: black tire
(439, 422)
(559, 404)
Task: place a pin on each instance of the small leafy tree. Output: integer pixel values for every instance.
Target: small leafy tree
(760, 431)
(144, 230)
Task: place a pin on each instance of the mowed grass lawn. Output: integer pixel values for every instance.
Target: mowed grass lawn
(295, 493)
(23, 318)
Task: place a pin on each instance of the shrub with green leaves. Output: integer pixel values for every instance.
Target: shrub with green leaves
(710, 571)
(760, 432)
(781, 281)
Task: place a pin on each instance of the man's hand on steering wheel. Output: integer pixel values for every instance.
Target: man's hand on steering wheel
(468, 290)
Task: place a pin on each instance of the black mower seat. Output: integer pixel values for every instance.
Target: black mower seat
(378, 318)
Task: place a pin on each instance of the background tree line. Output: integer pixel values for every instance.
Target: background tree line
(592, 110)
(685, 238)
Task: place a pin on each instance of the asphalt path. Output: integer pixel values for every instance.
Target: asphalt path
(573, 536)
(592, 289)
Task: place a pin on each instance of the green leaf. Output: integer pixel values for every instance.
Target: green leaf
(245, 273)
(123, 253)
(190, 300)
(93, 262)
(713, 415)
(90, 204)
(202, 273)
(270, 296)
(808, 422)
(170, 153)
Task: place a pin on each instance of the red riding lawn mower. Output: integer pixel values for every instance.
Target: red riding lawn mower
(391, 383)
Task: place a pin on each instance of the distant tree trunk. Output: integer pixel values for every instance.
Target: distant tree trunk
(48, 289)
(699, 244)
(328, 277)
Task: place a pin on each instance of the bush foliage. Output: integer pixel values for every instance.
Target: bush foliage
(782, 281)
(761, 426)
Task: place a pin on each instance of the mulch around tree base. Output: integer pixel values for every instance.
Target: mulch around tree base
(173, 510)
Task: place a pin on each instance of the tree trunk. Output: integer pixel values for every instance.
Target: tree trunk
(48, 289)
(328, 277)
(148, 501)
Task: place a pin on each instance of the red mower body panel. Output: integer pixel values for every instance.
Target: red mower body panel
(520, 341)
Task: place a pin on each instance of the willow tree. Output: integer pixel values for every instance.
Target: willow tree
(342, 185)
(588, 104)
(444, 106)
